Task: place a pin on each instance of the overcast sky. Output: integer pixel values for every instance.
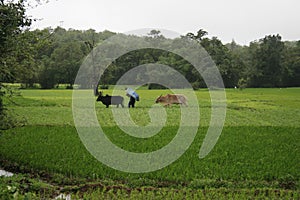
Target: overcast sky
(241, 20)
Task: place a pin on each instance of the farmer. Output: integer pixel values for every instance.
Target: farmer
(133, 97)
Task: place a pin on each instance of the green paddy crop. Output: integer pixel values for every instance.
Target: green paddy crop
(258, 148)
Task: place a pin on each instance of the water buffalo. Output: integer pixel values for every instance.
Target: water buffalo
(169, 99)
(110, 100)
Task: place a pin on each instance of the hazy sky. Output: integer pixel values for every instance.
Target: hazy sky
(241, 20)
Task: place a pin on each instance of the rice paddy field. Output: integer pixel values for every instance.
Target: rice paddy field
(257, 155)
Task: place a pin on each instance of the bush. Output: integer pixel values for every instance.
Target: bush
(8, 119)
(242, 83)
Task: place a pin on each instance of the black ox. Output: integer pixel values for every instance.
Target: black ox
(110, 100)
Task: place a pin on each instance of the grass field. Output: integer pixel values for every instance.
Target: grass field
(257, 154)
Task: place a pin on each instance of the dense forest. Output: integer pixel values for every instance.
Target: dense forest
(48, 57)
(53, 56)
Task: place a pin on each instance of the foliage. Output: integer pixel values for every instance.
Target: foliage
(24, 187)
(242, 83)
(53, 56)
(12, 50)
(291, 65)
(253, 66)
(268, 62)
(61, 53)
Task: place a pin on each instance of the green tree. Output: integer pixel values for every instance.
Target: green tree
(199, 36)
(59, 55)
(292, 65)
(239, 64)
(66, 60)
(43, 49)
(155, 34)
(268, 62)
(229, 64)
(12, 21)
(47, 74)
(223, 59)
(26, 69)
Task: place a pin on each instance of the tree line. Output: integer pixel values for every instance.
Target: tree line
(53, 56)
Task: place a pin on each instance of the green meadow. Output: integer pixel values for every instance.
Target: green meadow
(257, 154)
